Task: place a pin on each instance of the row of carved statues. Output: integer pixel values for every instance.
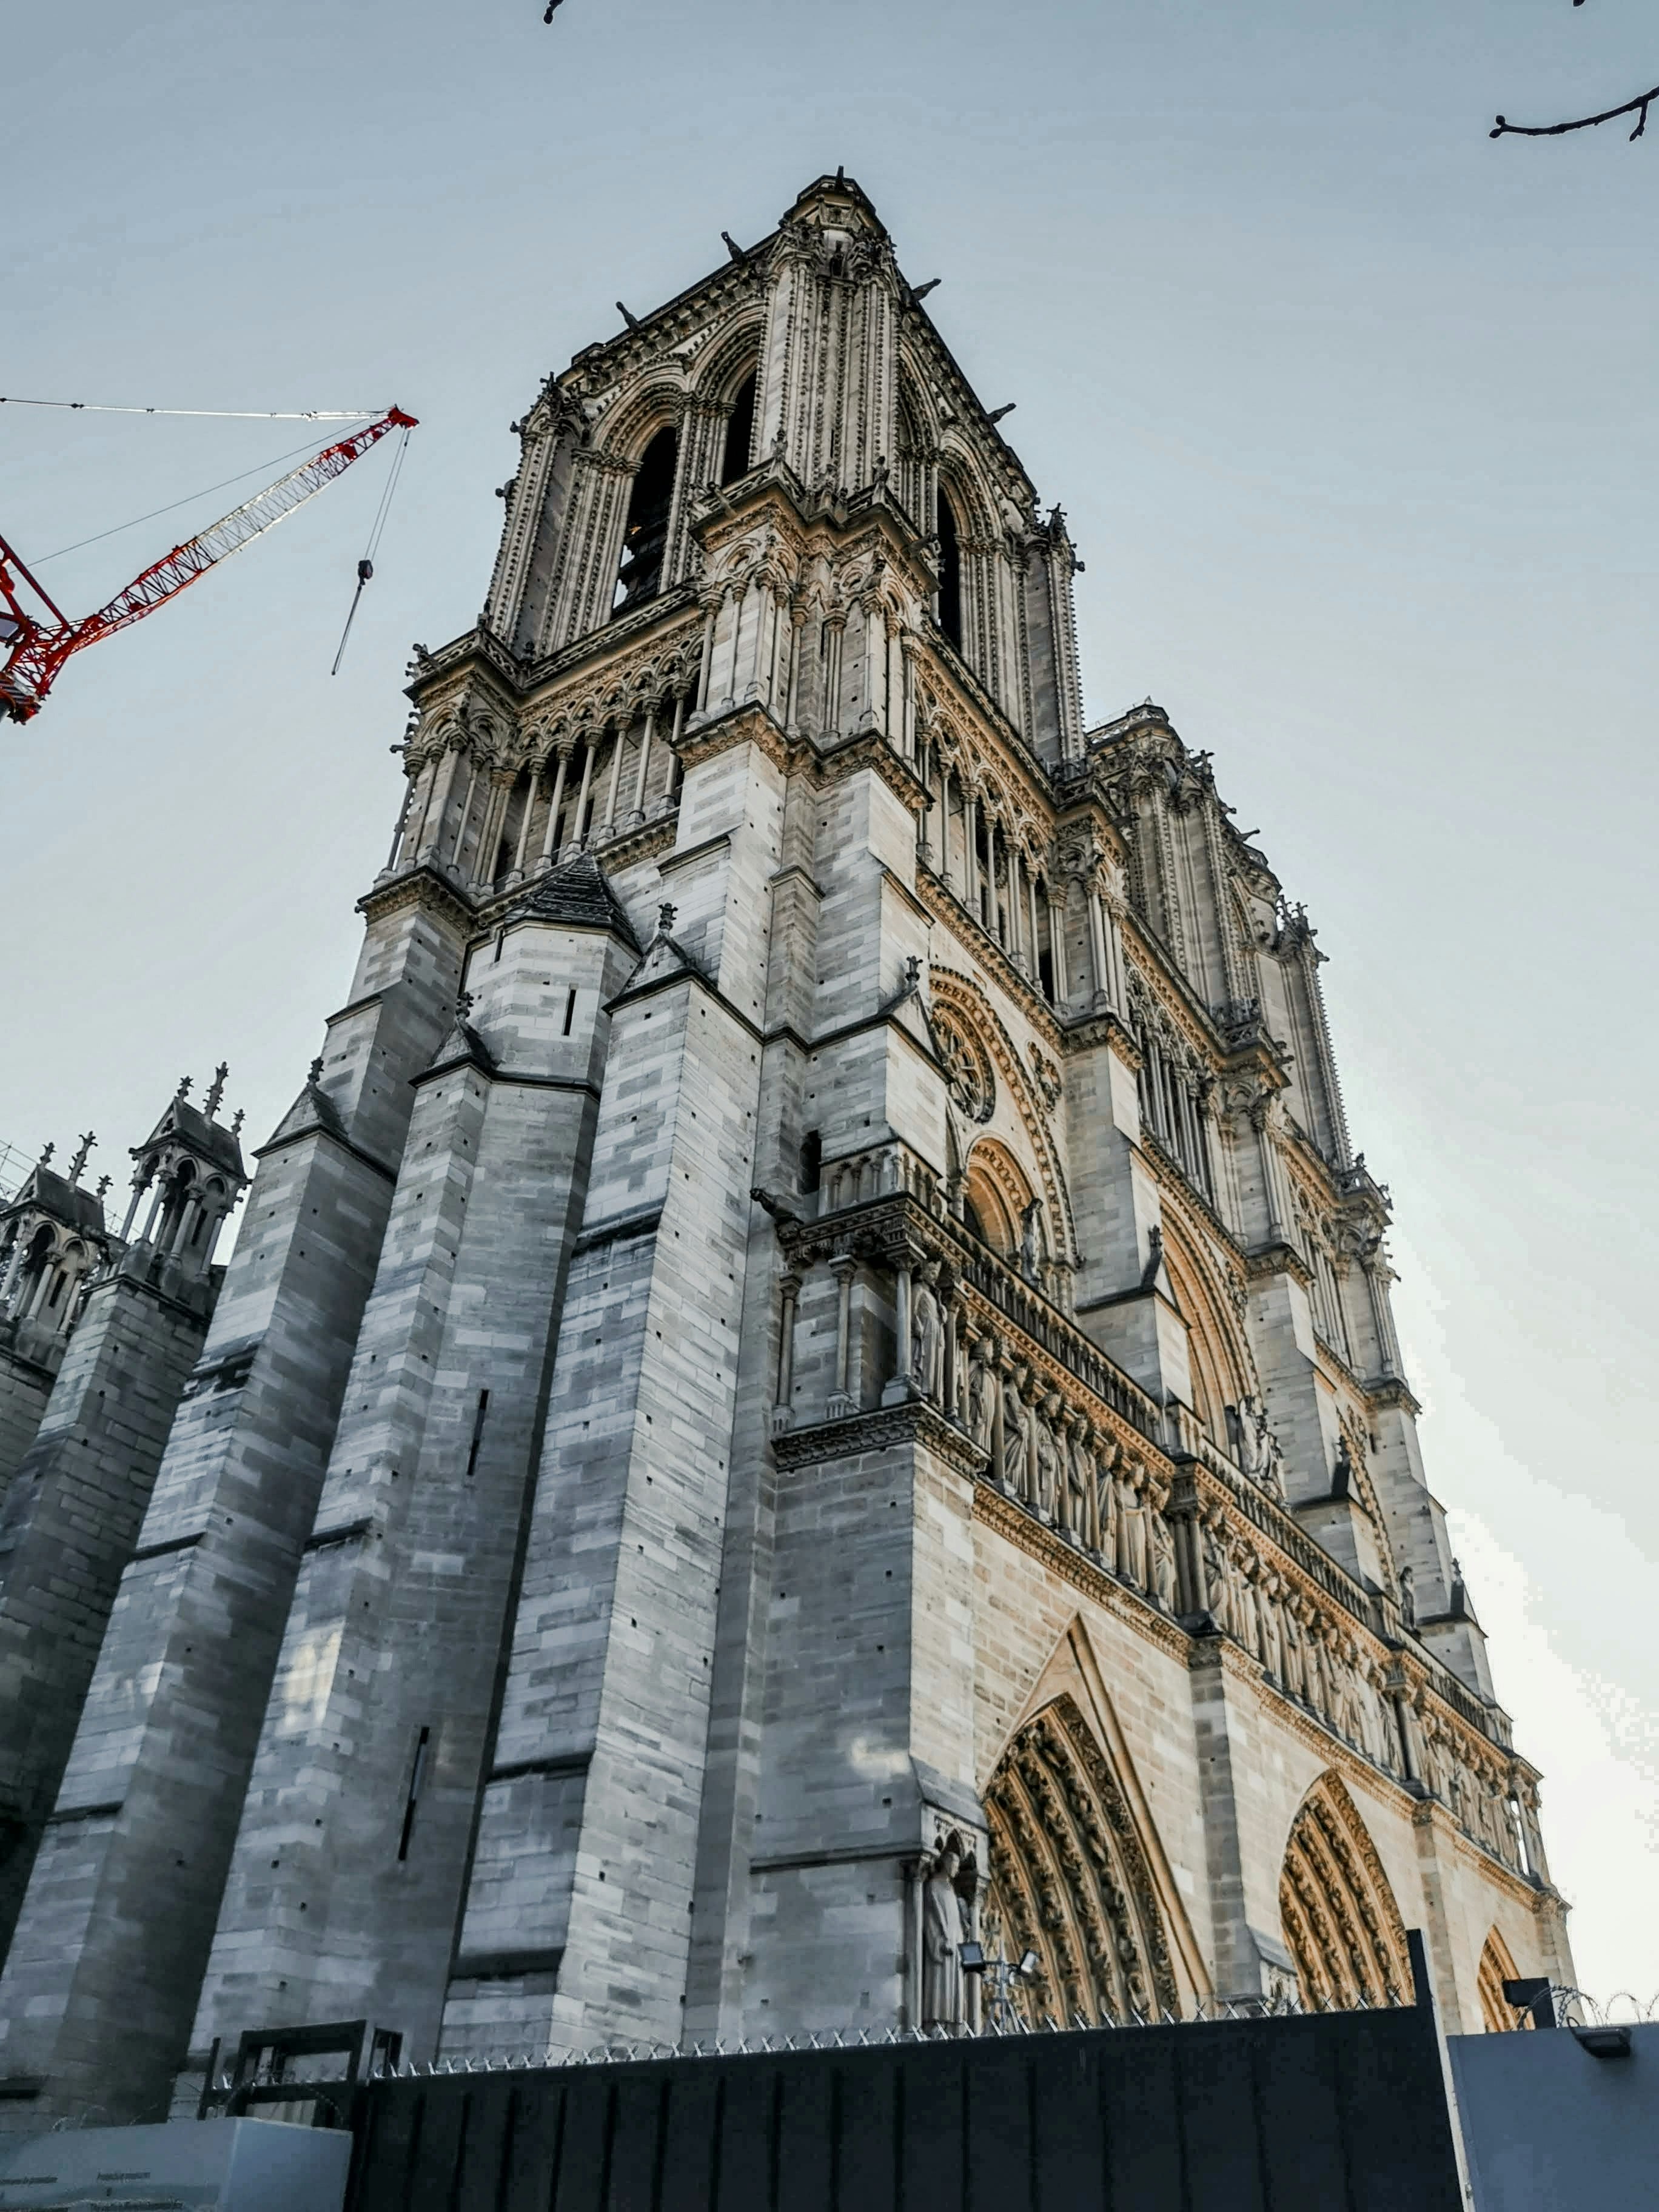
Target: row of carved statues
(1105, 1498)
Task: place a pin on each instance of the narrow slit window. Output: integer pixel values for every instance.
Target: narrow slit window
(950, 573)
(569, 1009)
(479, 1415)
(417, 1776)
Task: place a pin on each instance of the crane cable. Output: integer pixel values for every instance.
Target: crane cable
(366, 565)
(205, 414)
(258, 470)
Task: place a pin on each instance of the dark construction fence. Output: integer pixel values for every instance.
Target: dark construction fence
(1335, 2112)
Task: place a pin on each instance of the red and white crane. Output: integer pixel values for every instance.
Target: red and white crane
(38, 638)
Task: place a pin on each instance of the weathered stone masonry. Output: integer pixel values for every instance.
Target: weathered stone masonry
(810, 1376)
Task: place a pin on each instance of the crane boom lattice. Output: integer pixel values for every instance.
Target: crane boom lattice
(38, 649)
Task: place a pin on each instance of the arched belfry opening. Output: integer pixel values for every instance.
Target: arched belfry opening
(645, 534)
(1071, 1880)
(950, 570)
(1342, 1924)
(740, 430)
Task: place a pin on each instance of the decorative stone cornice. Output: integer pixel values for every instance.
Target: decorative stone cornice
(421, 885)
(915, 1422)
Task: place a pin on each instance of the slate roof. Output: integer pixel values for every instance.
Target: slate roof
(63, 1200)
(207, 1140)
(577, 894)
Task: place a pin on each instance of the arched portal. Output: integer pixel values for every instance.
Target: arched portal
(1340, 1920)
(1498, 1966)
(1071, 1881)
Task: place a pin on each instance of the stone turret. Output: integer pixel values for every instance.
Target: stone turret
(54, 1239)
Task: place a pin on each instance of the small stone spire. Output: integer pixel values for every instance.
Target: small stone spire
(210, 1104)
(665, 913)
(79, 1160)
(103, 1185)
(314, 1074)
(463, 1003)
(185, 1082)
(46, 1152)
(237, 1120)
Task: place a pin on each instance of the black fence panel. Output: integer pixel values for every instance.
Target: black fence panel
(1342, 2113)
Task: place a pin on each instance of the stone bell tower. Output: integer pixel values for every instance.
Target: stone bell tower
(127, 1315)
(808, 1379)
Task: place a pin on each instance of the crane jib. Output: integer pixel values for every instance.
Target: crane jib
(37, 650)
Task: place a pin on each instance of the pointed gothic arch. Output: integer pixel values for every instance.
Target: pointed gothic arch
(1222, 1370)
(1070, 1879)
(1342, 1924)
(962, 996)
(1499, 2016)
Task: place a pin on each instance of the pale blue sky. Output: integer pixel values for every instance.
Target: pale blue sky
(1353, 414)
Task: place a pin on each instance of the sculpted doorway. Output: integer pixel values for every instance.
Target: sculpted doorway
(1070, 1881)
(1340, 1920)
(1499, 2016)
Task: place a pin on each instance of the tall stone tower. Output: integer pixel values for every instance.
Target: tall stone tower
(810, 1376)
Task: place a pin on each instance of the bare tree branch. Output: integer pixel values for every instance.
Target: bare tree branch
(1638, 108)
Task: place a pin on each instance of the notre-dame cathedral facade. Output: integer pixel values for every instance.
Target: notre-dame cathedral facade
(808, 1379)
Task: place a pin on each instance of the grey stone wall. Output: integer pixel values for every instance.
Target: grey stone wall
(70, 1525)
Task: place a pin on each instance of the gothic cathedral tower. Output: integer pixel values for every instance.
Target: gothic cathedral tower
(809, 1379)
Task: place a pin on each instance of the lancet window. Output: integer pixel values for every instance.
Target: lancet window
(1324, 1287)
(740, 431)
(950, 570)
(645, 533)
(1174, 1093)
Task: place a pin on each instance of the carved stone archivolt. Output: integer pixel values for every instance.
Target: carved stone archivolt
(1340, 1920)
(1070, 1879)
(1498, 1966)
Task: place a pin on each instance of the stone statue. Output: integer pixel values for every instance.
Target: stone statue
(1106, 1499)
(1218, 1581)
(1163, 1558)
(1082, 1498)
(1245, 1605)
(1407, 1598)
(1131, 1525)
(942, 1936)
(926, 1332)
(1295, 1680)
(1031, 1240)
(1272, 1646)
(1048, 1472)
(1013, 1437)
(982, 1404)
(1242, 1434)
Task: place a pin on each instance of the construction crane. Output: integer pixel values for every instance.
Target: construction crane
(36, 646)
